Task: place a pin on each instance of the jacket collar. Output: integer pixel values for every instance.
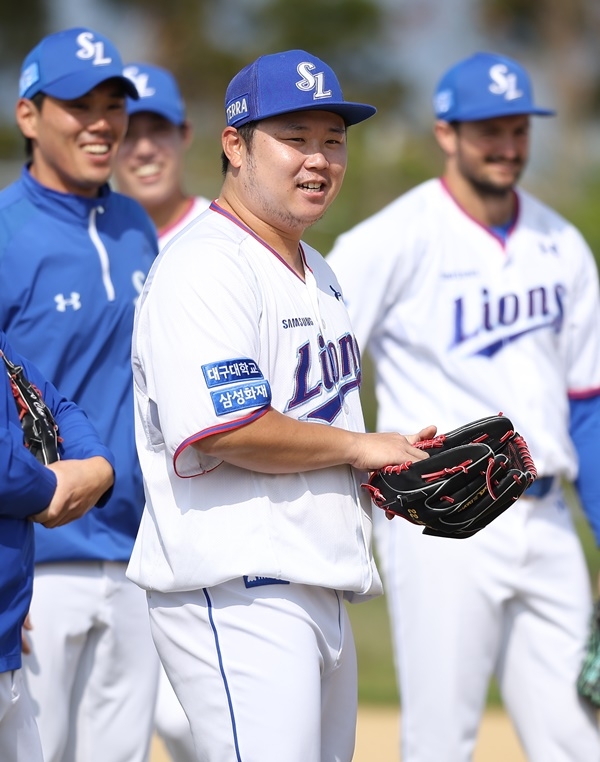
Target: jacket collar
(67, 206)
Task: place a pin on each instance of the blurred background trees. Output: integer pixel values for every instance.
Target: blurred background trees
(386, 52)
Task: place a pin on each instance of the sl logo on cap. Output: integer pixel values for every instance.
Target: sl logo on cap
(140, 80)
(310, 81)
(90, 49)
(504, 82)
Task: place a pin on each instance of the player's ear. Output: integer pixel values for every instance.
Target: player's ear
(233, 146)
(445, 134)
(27, 115)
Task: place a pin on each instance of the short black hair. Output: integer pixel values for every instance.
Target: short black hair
(246, 132)
(37, 101)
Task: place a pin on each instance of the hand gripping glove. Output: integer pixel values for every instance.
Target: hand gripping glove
(40, 431)
(473, 474)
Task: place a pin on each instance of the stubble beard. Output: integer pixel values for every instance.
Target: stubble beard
(485, 187)
(276, 215)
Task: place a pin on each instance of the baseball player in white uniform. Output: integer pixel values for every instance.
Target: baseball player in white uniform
(150, 161)
(150, 168)
(251, 437)
(472, 298)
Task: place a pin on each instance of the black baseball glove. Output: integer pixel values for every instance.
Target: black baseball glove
(473, 474)
(40, 431)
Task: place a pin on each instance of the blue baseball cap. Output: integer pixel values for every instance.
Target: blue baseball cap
(158, 91)
(485, 86)
(70, 63)
(283, 82)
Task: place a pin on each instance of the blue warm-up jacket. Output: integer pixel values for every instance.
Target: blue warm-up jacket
(71, 269)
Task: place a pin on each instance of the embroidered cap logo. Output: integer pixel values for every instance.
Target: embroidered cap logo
(88, 49)
(504, 82)
(140, 80)
(311, 81)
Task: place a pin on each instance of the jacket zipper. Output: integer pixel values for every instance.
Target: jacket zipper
(102, 254)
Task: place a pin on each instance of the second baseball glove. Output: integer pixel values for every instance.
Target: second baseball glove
(40, 431)
(474, 473)
(588, 682)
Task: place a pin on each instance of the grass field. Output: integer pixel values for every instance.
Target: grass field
(376, 676)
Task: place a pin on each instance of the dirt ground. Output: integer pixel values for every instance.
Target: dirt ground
(377, 738)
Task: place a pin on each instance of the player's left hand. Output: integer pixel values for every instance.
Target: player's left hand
(474, 474)
(80, 484)
(380, 449)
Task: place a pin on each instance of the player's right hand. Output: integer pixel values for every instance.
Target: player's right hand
(80, 484)
(390, 448)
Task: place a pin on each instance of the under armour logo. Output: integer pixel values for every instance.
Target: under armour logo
(73, 301)
(88, 49)
(311, 81)
(337, 294)
(504, 82)
(548, 248)
(140, 80)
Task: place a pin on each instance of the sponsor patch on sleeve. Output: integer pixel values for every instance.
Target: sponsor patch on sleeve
(241, 397)
(230, 371)
(238, 385)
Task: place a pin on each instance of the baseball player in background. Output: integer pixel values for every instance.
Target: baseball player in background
(51, 495)
(73, 257)
(150, 161)
(473, 297)
(251, 437)
(150, 168)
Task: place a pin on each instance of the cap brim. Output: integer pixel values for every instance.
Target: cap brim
(77, 85)
(351, 113)
(156, 107)
(476, 115)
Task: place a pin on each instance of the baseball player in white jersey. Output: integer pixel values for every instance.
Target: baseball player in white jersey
(150, 168)
(150, 162)
(472, 298)
(251, 437)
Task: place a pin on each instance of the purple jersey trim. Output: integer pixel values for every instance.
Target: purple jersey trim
(216, 208)
(583, 394)
(219, 429)
(501, 240)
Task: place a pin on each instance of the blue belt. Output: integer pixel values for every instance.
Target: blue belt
(540, 487)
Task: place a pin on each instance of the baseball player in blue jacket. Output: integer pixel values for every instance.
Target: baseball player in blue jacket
(73, 258)
(32, 492)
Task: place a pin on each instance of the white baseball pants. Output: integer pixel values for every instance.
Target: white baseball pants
(171, 722)
(264, 674)
(513, 599)
(93, 670)
(19, 737)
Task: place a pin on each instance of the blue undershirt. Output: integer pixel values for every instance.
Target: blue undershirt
(585, 425)
(501, 231)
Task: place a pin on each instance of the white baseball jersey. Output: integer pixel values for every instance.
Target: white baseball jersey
(171, 722)
(196, 206)
(458, 335)
(462, 325)
(224, 329)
